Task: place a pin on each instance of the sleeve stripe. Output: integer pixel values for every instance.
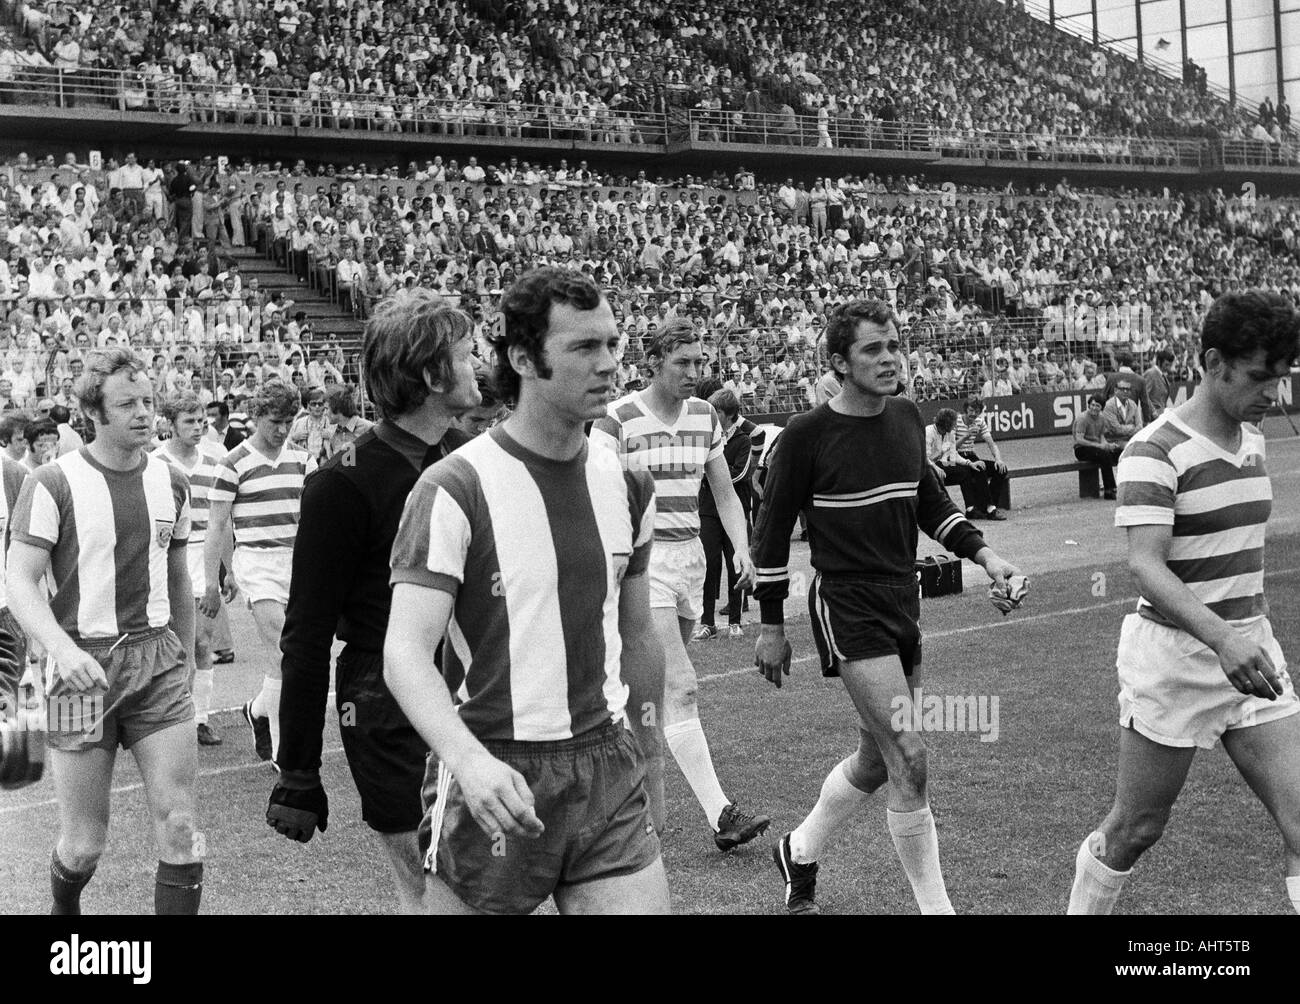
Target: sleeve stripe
(942, 530)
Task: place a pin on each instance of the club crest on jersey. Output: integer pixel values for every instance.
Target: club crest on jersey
(164, 535)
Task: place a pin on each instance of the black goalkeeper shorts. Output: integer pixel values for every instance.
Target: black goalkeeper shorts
(856, 618)
(385, 753)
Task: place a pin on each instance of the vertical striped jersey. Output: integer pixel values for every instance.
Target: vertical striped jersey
(108, 533)
(674, 455)
(534, 551)
(865, 487)
(265, 491)
(1217, 503)
(202, 473)
(12, 475)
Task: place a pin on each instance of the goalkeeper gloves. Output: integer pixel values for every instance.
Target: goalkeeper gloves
(1009, 597)
(298, 805)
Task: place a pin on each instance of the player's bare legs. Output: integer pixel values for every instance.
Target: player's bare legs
(682, 729)
(269, 617)
(403, 853)
(1149, 780)
(881, 692)
(641, 893)
(168, 765)
(82, 782)
(1268, 757)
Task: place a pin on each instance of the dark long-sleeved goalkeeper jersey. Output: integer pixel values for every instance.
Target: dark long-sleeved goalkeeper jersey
(865, 488)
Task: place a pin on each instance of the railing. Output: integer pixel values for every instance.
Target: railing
(1247, 153)
(839, 132)
(336, 110)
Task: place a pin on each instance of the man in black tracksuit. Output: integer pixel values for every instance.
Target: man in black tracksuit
(351, 508)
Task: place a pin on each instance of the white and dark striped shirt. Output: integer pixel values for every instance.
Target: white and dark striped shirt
(1217, 503)
(674, 455)
(535, 552)
(108, 533)
(202, 473)
(265, 493)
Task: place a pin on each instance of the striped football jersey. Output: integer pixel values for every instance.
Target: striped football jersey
(202, 473)
(674, 455)
(534, 551)
(265, 493)
(12, 475)
(108, 533)
(1217, 503)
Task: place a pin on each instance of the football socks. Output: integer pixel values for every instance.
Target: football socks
(691, 751)
(838, 801)
(917, 844)
(1096, 887)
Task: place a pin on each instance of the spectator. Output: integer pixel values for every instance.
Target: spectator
(952, 468)
(1122, 414)
(1092, 446)
(972, 429)
(1156, 380)
(718, 548)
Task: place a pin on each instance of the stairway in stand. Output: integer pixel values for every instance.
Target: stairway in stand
(329, 321)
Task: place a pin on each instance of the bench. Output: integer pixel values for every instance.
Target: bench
(1089, 478)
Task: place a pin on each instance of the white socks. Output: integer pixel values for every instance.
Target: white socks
(267, 703)
(1293, 891)
(1097, 887)
(839, 800)
(917, 844)
(691, 751)
(202, 695)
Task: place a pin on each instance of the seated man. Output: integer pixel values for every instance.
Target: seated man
(973, 428)
(1091, 445)
(1121, 413)
(951, 467)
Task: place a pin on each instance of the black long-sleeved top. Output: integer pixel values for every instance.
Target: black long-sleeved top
(865, 487)
(738, 454)
(351, 507)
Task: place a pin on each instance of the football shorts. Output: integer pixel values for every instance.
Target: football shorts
(677, 576)
(148, 691)
(858, 618)
(1173, 690)
(385, 753)
(263, 573)
(590, 794)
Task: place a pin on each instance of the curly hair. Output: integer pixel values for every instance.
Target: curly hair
(100, 365)
(275, 400)
(1240, 324)
(409, 340)
(176, 405)
(842, 328)
(526, 312)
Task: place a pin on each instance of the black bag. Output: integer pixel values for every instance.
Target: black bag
(938, 576)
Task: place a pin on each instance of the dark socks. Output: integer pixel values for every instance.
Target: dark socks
(66, 885)
(177, 889)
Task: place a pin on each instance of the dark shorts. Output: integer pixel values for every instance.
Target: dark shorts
(385, 753)
(856, 618)
(590, 794)
(148, 691)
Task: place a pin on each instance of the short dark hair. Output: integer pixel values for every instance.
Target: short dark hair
(312, 393)
(11, 424)
(60, 415)
(38, 427)
(223, 409)
(1098, 398)
(945, 420)
(341, 400)
(1240, 324)
(678, 331)
(526, 312)
(410, 335)
(842, 327)
(707, 387)
(175, 405)
(724, 402)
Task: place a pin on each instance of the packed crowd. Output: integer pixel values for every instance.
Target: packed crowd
(1051, 279)
(965, 68)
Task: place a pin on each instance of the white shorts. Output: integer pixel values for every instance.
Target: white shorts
(1173, 690)
(677, 576)
(194, 558)
(263, 573)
